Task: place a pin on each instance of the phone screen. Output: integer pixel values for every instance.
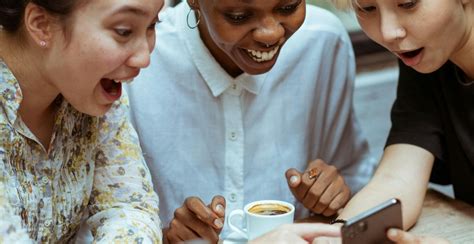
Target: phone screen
(371, 226)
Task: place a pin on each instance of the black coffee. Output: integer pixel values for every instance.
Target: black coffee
(269, 209)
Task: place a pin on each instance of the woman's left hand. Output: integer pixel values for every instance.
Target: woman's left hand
(403, 237)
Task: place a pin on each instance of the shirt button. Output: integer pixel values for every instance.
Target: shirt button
(233, 197)
(234, 86)
(45, 180)
(233, 136)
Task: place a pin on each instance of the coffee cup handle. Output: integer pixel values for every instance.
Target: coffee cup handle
(241, 232)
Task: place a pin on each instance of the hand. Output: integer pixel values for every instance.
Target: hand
(195, 220)
(400, 236)
(323, 193)
(298, 233)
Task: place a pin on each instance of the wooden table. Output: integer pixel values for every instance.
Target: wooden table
(441, 216)
(445, 217)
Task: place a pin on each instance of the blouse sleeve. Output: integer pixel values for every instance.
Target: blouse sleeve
(123, 205)
(11, 230)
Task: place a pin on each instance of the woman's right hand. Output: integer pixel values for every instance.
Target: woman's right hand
(195, 220)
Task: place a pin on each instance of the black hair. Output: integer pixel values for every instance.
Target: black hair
(12, 11)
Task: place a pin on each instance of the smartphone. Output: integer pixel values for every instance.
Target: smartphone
(371, 226)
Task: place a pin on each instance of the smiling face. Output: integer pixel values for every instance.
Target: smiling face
(110, 41)
(424, 34)
(247, 35)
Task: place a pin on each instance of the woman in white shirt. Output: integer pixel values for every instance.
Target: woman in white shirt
(242, 97)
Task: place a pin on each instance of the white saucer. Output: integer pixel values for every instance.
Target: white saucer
(234, 238)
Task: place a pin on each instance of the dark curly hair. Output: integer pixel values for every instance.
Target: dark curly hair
(12, 11)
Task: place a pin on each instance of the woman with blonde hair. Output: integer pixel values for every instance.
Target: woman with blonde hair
(433, 115)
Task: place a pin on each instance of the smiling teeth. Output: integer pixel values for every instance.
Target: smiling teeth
(260, 56)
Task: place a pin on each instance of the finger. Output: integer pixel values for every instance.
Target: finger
(327, 176)
(311, 231)
(308, 179)
(204, 213)
(190, 220)
(179, 232)
(293, 177)
(329, 194)
(294, 180)
(218, 205)
(400, 236)
(339, 201)
(327, 240)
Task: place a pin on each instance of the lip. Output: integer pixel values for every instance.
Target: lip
(411, 58)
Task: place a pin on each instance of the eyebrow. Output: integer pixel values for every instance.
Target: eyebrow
(131, 9)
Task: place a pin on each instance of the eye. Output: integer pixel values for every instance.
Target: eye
(408, 5)
(288, 9)
(123, 32)
(237, 18)
(366, 9)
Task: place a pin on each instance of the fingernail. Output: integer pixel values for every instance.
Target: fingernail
(220, 208)
(392, 233)
(293, 179)
(218, 223)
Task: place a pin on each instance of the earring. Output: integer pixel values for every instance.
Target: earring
(198, 18)
(42, 44)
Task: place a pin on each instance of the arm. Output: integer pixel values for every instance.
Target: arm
(403, 173)
(123, 205)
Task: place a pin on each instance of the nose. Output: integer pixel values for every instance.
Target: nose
(140, 57)
(391, 28)
(269, 32)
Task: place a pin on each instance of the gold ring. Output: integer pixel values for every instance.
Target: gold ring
(313, 173)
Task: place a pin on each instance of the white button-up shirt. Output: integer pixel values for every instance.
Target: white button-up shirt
(205, 133)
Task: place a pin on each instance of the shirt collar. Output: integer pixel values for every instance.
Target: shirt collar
(216, 78)
(10, 93)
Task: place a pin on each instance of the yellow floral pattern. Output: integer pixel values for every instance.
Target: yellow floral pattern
(93, 163)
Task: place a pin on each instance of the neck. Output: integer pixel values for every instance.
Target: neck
(37, 108)
(463, 56)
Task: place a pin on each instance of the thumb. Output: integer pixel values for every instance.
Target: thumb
(293, 177)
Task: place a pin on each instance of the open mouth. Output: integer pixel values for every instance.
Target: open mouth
(113, 88)
(411, 54)
(261, 56)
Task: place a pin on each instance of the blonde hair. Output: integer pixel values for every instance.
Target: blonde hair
(343, 4)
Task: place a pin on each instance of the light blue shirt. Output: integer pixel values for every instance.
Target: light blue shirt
(205, 133)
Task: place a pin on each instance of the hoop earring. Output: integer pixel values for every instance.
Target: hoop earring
(198, 18)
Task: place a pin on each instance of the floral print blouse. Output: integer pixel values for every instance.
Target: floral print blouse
(93, 163)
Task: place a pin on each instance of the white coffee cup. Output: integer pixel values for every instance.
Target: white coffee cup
(261, 223)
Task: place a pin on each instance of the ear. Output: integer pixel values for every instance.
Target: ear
(193, 4)
(38, 24)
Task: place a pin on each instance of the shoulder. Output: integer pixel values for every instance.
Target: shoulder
(321, 21)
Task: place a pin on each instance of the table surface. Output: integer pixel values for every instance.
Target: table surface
(445, 217)
(441, 216)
